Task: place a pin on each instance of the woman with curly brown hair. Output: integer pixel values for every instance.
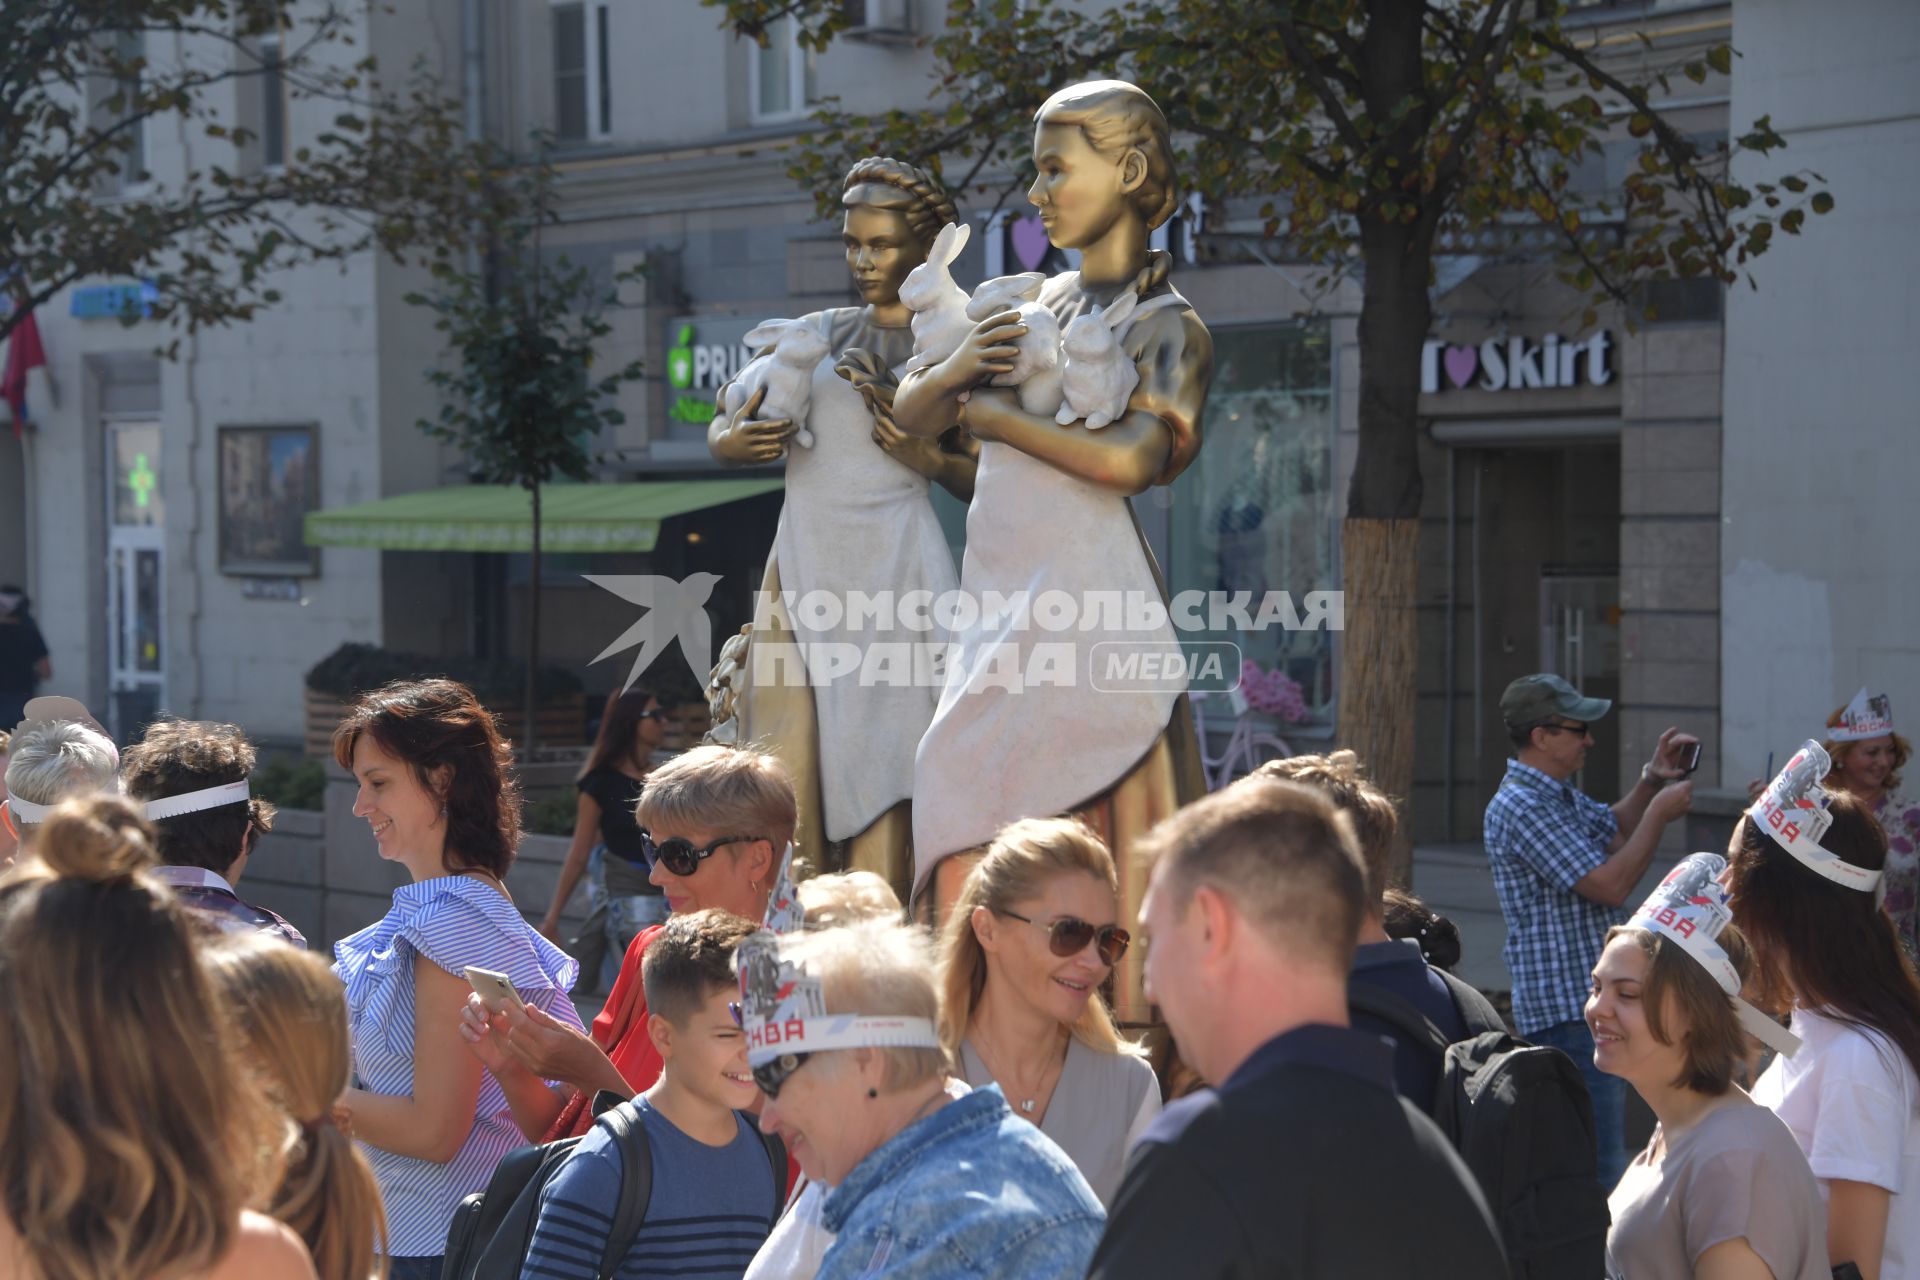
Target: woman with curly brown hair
(130, 1140)
(1867, 759)
(857, 519)
(435, 788)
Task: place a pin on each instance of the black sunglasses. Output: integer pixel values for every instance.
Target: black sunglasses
(679, 854)
(1069, 937)
(1575, 727)
(656, 714)
(772, 1076)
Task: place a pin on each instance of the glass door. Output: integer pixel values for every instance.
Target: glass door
(136, 578)
(1580, 643)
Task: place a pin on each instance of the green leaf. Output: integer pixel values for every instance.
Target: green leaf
(1822, 202)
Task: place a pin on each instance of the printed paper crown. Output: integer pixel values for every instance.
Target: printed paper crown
(1690, 908)
(1793, 810)
(783, 1009)
(1865, 717)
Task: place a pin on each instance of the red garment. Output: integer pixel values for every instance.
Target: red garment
(24, 353)
(621, 1030)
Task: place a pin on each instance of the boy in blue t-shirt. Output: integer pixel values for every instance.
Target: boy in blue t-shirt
(714, 1198)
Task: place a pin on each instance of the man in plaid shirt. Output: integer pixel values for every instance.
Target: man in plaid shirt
(1565, 866)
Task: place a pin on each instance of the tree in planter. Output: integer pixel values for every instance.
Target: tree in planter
(520, 397)
(86, 89)
(1388, 124)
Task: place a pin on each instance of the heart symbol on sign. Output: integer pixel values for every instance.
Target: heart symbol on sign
(1461, 363)
(1030, 243)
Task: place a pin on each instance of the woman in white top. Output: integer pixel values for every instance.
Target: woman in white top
(1721, 1191)
(1030, 941)
(1851, 1095)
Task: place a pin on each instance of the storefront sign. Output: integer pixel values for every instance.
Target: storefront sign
(703, 356)
(98, 301)
(1517, 364)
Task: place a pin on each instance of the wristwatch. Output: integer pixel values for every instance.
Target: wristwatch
(1652, 779)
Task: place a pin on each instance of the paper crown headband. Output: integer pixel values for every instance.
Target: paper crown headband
(1690, 908)
(783, 1009)
(1865, 717)
(1793, 810)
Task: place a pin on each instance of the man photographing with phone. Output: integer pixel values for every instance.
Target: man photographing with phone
(1564, 867)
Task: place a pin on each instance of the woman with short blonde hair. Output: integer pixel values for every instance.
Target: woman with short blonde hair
(1032, 938)
(130, 1141)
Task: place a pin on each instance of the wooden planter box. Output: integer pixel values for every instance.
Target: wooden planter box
(561, 723)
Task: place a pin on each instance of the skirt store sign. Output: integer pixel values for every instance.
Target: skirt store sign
(1517, 364)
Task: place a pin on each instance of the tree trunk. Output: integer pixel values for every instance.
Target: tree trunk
(1380, 539)
(533, 633)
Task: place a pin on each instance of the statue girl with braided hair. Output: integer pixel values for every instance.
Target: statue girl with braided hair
(857, 519)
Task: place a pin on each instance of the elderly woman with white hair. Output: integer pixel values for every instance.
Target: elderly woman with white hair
(49, 762)
(843, 1042)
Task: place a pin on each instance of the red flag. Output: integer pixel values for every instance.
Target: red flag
(24, 353)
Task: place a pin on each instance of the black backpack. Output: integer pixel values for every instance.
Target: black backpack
(1521, 1119)
(492, 1229)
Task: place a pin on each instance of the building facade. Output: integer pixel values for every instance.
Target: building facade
(1628, 504)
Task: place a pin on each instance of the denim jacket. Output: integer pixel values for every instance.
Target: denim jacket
(969, 1191)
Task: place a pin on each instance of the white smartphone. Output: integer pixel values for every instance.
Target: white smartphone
(496, 989)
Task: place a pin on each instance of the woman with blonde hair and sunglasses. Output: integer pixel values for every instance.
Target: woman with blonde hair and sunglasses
(291, 1012)
(1030, 941)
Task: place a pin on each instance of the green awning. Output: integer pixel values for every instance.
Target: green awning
(491, 517)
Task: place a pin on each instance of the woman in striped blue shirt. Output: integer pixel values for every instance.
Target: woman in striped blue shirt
(435, 788)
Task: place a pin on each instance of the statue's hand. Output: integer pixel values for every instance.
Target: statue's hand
(985, 410)
(986, 353)
(921, 454)
(746, 439)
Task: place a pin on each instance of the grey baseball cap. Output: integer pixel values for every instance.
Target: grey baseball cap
(1531, 699)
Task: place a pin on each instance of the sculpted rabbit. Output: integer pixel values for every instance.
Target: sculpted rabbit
(1098, 377)
(939, 305)
(786, 372)
(1036, 370)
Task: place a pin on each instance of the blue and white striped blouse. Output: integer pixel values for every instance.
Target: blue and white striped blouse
(454, 921)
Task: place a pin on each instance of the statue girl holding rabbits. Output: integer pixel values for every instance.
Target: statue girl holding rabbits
(1050, 509)
(856, 519)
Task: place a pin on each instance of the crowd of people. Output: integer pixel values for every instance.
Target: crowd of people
(787, 1079)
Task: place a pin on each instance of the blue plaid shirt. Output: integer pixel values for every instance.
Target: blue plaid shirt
(1542, 836)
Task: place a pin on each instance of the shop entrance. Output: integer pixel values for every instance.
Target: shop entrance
(1532, 584)
(136, 581)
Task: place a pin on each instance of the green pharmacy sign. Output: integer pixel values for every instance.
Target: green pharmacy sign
(140, 479)
(697, 370)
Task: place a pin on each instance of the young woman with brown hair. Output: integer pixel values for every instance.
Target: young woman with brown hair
(130, 1139)
(436, 789)
(1721, 1191)
(1805, 898)
(608, 845)
(291, 1012)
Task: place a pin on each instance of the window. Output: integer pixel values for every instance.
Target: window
(582, 83)
(783, 75)
(570, 72)
(1257, 510)
(117, 100)
(273, 105)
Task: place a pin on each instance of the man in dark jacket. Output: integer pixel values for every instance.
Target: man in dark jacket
(1302, 1161)
(23, 655)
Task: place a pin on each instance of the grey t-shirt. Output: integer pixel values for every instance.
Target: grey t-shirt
(1737, 1173)
(1101, 1105)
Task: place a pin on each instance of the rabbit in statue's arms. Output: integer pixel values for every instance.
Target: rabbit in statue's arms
(1036, 370)
(939, 305)
(786, 372)
(1098, 377)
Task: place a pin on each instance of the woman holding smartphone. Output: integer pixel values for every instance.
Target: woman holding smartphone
(435, 789)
